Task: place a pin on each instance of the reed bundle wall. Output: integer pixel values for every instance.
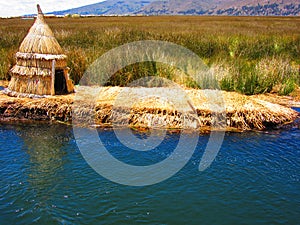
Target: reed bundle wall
(41, 63)
(39, 85)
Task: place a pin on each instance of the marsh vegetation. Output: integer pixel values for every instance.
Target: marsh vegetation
(250, 55)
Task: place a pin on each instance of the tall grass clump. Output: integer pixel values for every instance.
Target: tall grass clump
(278, 75)
(6, 63)
(77, 62)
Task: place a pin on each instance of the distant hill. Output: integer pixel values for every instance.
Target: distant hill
(225, 7)
(109, 7)
(191, 7)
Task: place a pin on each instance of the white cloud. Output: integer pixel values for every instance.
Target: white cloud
(21, 7)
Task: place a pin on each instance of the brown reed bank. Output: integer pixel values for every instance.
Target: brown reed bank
(242, 112)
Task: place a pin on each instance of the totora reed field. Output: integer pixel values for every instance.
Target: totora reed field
(250, 56)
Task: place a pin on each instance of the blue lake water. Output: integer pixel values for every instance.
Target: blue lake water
(45, 180)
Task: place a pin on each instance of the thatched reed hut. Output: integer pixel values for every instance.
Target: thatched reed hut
(41, 66)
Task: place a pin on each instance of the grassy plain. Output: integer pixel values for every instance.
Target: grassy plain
(250, 55)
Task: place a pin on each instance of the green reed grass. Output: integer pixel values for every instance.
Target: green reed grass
(250, 55)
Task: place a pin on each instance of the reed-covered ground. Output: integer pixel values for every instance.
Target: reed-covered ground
(251, 55)
(102, 107)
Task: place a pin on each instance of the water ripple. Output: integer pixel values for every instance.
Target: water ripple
(45, 180)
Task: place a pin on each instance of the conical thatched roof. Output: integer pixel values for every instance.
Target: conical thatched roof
(40, 39)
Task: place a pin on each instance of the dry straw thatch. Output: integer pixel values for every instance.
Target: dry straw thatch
(242, 112)
(39, 58)
(40, 38)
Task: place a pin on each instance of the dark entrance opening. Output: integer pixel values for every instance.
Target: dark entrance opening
(60, 85)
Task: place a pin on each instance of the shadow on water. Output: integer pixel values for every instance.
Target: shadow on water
(43, 170)
(44, 147)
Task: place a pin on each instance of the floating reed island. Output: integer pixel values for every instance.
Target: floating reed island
(110, 107)
(40, 90)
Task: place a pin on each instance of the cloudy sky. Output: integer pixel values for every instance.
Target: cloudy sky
(21, 7)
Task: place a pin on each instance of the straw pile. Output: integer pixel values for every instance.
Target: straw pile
(141, 108)
(289, 101)
(43, 109)
(130, 107)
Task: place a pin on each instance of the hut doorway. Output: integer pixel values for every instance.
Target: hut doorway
(60, 84)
